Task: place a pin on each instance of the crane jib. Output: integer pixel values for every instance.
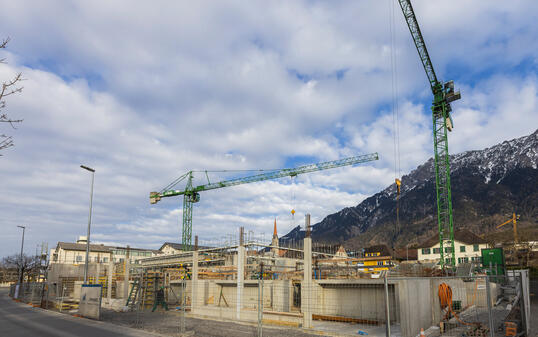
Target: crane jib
(289, 172)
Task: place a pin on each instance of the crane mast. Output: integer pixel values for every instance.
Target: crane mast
(191, 194)
(443, 95)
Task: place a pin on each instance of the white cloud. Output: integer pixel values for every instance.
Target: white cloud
(144, 93)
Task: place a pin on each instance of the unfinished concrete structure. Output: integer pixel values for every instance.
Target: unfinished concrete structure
(292, 286)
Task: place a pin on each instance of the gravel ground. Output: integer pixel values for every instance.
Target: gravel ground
(167, 323)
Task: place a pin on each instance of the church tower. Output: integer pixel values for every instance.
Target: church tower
(274, 242)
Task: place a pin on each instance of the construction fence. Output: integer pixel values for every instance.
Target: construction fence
(336, 300)
(268, 291)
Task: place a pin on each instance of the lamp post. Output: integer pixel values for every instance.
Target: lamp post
(20, 262)
(89, 224)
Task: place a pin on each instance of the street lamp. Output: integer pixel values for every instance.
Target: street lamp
(89, 224)
(21, 261)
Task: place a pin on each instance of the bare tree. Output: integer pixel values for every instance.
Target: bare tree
(9, 87)
(28, 265)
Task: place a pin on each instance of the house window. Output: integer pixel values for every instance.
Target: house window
(79, 258)
(448, 249)
(462, 249)
(436, 250)
(475, 248)
(425, 251)
(466, 259)
(105, 259)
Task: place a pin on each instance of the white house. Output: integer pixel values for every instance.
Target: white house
(467, 245)
(171, 248)
(75, 253)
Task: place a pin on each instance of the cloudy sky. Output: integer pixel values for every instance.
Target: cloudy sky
(144, 91)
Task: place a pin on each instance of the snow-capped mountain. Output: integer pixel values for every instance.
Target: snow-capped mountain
(486, 185)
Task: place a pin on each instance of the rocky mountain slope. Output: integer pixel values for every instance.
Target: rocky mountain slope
(486, 186)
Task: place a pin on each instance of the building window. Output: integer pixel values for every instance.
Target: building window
(462, 249)
(448, 249)
(79, 258)
(436, 250)
(475, 248)
(466, 259)
(425, 251)
(105, 259)
(379, 263)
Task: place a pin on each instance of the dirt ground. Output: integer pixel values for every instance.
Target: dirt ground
(168, 323)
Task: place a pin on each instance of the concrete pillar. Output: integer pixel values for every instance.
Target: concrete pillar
(110, 274)
(240, 278)
(306, 288)
(194, 281)
(126, 274)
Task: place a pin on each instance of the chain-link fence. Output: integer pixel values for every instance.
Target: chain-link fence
(34, 293)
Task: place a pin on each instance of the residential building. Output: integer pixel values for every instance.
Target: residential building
(467, 245)
(376, 259)
(171, 248)
(75, 253)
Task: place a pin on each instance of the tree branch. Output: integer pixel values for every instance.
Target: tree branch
(8, 88)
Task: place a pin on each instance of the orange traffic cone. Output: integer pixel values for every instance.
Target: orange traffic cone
(422, 332)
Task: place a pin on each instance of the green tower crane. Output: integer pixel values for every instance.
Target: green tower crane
(443, 95)
(191, 194)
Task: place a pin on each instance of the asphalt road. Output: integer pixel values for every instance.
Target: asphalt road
(22, 320)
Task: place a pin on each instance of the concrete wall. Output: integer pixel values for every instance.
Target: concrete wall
(418, 300)
(414, 301)
(362, 299)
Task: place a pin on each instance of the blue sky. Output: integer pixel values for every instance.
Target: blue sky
(144, 92)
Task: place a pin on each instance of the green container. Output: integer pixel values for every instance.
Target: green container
(493, 261)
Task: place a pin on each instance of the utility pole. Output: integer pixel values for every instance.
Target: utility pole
(89, 224)
(21, 262)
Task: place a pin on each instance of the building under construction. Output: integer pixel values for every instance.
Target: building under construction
(321, 288)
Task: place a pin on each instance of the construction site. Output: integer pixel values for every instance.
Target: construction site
(458, 285)
(303, 289)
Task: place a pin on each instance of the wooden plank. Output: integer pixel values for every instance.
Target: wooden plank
(344, 319)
